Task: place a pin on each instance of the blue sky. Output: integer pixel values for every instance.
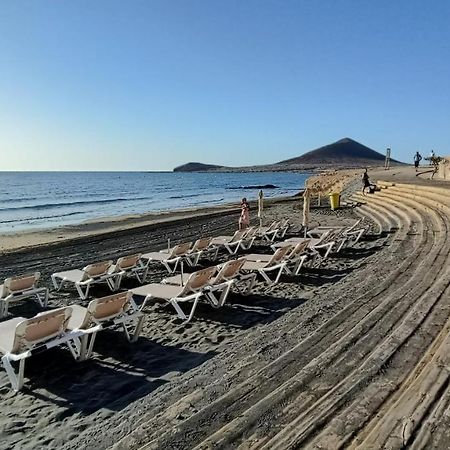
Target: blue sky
(148, 85)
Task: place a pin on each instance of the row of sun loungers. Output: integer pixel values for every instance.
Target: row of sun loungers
(76, 327)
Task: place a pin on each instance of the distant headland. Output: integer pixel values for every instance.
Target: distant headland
(345, 153)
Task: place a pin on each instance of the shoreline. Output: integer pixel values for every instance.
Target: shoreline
(106, 226)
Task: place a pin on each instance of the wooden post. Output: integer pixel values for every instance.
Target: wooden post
(260, 207)
(306, 200)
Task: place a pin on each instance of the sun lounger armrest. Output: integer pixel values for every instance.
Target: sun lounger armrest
(275, 267)
(187, 297)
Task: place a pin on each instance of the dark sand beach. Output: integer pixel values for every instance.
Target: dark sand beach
(63, 399)
(327, 359)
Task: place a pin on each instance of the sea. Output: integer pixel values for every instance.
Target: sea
(42, 200)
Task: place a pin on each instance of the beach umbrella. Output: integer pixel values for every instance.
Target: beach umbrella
(306, 200)
(260, 206)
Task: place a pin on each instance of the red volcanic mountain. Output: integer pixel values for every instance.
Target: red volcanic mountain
(342, 153)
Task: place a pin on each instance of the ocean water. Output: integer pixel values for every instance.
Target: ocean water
(39, 200)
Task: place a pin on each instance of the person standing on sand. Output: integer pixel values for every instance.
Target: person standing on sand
(417, 159)
(244, 219)
(366, 181)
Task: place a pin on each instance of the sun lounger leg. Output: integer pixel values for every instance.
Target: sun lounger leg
(16, 379)
(194, 306)
(330, 247)
(75, 348)
(218, 303)
(277, 279)
(5, 307)
(84, 344)
(143, 269)
(232, 248)
(196, 259)
(299, 265)
(138, 328)
(265, 276)
(114, 282)
(83, 295)
(55, 283)
(224, 295)
(139, 277)
(252, 282)
(343, 241)
(212, 298)
(169, 269)
(131, 334)
(358, 234)
(179, 311)
(143, 274)
(44, 302)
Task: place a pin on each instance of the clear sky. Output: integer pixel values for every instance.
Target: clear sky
(148, 85)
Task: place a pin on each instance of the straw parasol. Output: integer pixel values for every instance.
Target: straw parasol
(260, 206)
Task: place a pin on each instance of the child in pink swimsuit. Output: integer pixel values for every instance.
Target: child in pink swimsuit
(244, 219)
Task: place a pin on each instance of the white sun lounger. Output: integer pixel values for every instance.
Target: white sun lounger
(129, 266)
(21, 338)
(21, 287)
(269, 233)
(201, 247)
(229, 275)
(191, 291)
(336, 227)
(277, 263)
(284, 228)
(350, 233)
(230, 243)
(169, 259)
(296, 257)
(83, 278)
(113, 311)
(324, 242)
(249, 238)
(276, 229)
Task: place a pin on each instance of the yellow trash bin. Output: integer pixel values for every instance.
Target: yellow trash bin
(335, 200)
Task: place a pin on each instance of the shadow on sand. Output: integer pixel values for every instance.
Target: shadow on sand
(119, 374)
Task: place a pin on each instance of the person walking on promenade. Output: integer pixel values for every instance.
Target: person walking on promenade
(366, 182)
(417, 159)
(244, 219)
